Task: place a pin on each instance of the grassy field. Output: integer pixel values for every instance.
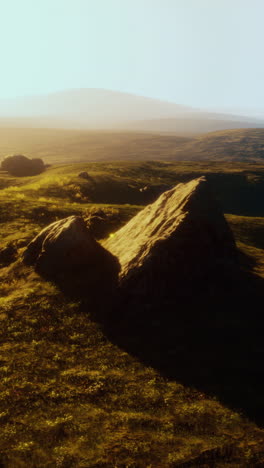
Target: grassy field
(72, 395)
(64, 146)
(57, 146)
(237, 145)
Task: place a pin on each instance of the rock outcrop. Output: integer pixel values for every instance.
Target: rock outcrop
(66, 253)
(176, 245)
(21, 166)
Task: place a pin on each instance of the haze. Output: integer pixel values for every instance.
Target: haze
(201, 54)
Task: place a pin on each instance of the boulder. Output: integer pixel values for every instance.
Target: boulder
(66, 253)
(86, 176)
(19, 165)
(178, 244)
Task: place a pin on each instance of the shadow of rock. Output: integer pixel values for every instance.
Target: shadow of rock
(66, 253)
(213, 342)
(183, 305)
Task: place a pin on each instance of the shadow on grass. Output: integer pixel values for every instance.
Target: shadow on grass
(214, 344)
(210, 339)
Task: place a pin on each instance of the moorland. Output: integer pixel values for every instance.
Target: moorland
(75, 393)
(57, 146)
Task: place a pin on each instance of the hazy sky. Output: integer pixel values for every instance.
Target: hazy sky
(194, 52)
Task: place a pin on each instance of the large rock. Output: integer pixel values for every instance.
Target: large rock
(67, 253)
(178, 244)
(19, 165)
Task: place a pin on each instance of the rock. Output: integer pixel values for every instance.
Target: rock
(85, 175)
(144, 189)
(176, 245)
(67, 253)
(19, 165)
(101, 223)
(8, 254)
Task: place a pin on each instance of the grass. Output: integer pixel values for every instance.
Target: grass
(57, 146)
(72, 397)
(238, 186)
(64, 146)
(246, 144)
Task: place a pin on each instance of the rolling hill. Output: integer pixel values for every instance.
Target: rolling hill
(105, 109)
(62, 146)
(193, 123)
(73, 394)
(231, 145)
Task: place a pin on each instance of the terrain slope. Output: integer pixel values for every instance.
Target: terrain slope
(78, 390)
(66, 146)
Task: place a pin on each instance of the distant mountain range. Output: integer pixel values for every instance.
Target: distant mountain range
(99, 109)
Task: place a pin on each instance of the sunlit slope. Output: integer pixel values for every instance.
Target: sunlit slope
(69, 395)
(61, 146)
(56, 145)
(239, 187)
(229, 145)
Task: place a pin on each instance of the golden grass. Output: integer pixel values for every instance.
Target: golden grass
(71, 397)
(64, 146)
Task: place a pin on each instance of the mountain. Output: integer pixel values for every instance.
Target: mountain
(89, 107)
(105, 109)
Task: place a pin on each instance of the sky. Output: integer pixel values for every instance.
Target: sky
(201, 53)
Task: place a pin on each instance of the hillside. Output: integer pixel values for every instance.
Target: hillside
(238, 186)
(90, 107)
(73, 393)
(229, 145)
(193, 123)
(62, 146)
(100, 109)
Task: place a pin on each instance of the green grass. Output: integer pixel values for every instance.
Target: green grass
(238, 186)
(70, 396)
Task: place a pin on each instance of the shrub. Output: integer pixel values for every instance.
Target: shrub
(19, 165)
